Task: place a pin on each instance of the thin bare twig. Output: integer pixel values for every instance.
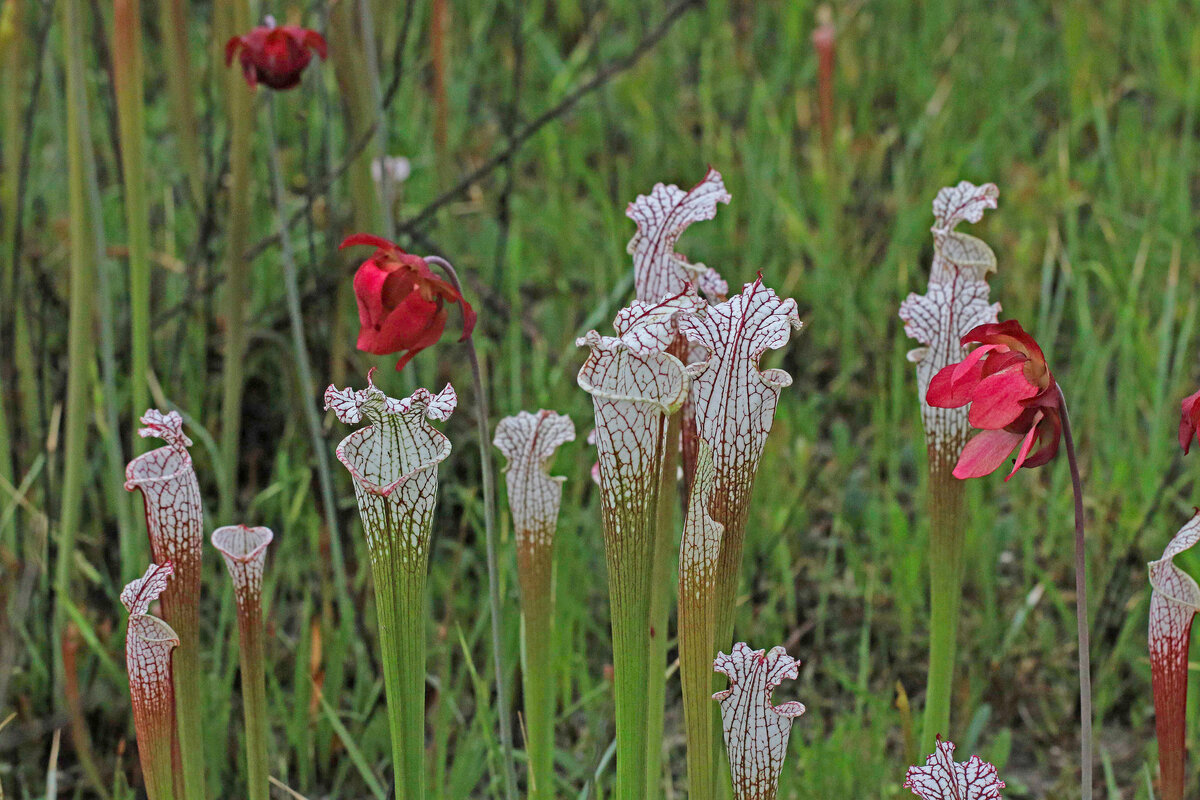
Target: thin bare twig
(522, 135)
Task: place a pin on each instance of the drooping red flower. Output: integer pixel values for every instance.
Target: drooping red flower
(401, 303)
(1189, 421)
(275, 56)
(1014, 400)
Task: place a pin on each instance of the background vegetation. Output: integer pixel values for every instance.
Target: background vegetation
(1085, 115)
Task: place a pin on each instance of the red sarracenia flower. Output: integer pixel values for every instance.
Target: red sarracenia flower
(1014, 400)
(1189, 421)
(275, 55)
(401, 303)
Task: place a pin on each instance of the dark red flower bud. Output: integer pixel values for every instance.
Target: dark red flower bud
(401, 303)
(275, 56)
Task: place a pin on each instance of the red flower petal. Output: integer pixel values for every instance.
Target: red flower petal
(968, 365)
(985, 453)
(945, 392)
(996, 401)
(1189, 420)
(1026, 445)
(316, 41)
(230, 48)
(367, 238)
(468, 319)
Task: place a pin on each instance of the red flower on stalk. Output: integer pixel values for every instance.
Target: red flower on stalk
(401, 303)
(275, 55)
(1014, 400)
(1189, 421)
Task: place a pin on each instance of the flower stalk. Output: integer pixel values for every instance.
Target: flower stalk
(1081, 607)
(393, 463)
(174, 521)
(149, 643)
(244, 551)
(489, 519)
(529, 441)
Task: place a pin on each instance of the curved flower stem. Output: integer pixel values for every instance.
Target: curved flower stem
(1085, 672)
(304, 370)
(489, 519)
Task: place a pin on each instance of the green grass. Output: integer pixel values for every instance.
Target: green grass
(1084, 114)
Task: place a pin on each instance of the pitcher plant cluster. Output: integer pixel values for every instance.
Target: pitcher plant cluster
(683, 408)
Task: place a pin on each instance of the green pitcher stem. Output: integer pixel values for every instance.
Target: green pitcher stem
(483, 426)
(631, 639)
(946, 533)
(660, 607)
(400, 601)
(254, 698)
(537, 617)
(696, 652)
(189, 700)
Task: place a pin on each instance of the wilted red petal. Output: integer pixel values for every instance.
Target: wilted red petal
(985, 453)
(996, 401)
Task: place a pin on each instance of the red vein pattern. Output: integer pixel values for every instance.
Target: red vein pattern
(148, 645)
(661, 218)
(393, 461)
(956, 302)
(174, 517)
(756, 731)
(942, 779)
(1174, 600)
(529, 442)
(633, 395)
(735, 406)
(659, 272)
(244, 550)
(175, 522)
